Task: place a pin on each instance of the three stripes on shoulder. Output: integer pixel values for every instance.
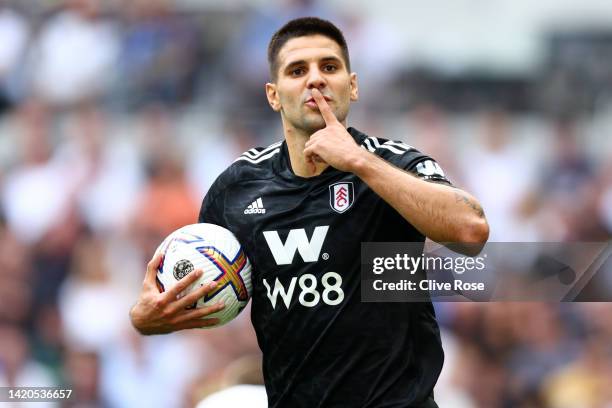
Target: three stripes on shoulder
(371, 144)
(257, 156)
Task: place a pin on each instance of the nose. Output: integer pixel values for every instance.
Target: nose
(315, 79)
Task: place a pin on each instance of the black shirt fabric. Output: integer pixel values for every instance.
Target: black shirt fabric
(323, 347)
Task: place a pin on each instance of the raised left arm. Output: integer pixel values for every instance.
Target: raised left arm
(442, 213)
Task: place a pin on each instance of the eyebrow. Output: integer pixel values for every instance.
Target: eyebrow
(303, 62)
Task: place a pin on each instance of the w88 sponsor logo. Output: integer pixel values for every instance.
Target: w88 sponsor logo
(309, 249)
(310, 294)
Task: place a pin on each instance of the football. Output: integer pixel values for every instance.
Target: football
(217, 252)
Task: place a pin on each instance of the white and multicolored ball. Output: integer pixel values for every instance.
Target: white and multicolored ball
(218, 253)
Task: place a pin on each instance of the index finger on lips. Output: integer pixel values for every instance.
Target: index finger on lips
(326, 112)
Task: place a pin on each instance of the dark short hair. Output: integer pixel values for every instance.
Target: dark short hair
(301, 27)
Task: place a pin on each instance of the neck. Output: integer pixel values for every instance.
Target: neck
(296, 140)
(295, 144)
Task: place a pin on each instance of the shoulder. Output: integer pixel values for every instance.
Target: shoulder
(405, 156)
(258, 155)
(385, 147)
(393, 151)
(255, 163)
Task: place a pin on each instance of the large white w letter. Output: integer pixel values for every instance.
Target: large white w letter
(297, 239)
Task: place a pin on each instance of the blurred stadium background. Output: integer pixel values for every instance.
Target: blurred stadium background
(116, 116)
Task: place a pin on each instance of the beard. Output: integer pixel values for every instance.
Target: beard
(311, 123)
(308, 120)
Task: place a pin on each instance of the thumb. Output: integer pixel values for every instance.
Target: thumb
(154, 264)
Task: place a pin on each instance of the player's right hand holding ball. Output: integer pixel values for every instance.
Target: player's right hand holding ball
(158, 312)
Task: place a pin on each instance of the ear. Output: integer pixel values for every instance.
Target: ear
(354, 87)
(273, 98)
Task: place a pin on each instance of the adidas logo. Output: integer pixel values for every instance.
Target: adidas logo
(256, 207)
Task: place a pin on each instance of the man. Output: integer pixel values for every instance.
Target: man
(320, 193)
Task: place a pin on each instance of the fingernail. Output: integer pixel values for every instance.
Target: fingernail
(221, 304)
(212, 284)
(198, 273)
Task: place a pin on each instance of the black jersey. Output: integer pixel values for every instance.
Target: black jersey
(323, 347)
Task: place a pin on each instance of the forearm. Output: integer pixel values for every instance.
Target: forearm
(440, 212)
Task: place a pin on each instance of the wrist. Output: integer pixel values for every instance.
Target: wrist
(359, 162)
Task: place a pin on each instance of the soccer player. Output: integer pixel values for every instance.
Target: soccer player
(301, 208)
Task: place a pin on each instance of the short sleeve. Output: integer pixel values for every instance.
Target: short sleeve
(417, 163)
(428, 169)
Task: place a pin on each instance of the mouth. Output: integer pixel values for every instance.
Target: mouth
(311, 99)
(311, 103)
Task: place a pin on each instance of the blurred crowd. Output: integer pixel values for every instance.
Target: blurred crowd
(115, 118)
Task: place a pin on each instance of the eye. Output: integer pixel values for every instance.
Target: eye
(297, 71)
(330, 68)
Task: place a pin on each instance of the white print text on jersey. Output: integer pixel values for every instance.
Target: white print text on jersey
(256, 207)
(309, 250)
(309, 295)
(284, 253)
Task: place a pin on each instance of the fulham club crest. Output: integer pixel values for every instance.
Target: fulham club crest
(341, 196)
